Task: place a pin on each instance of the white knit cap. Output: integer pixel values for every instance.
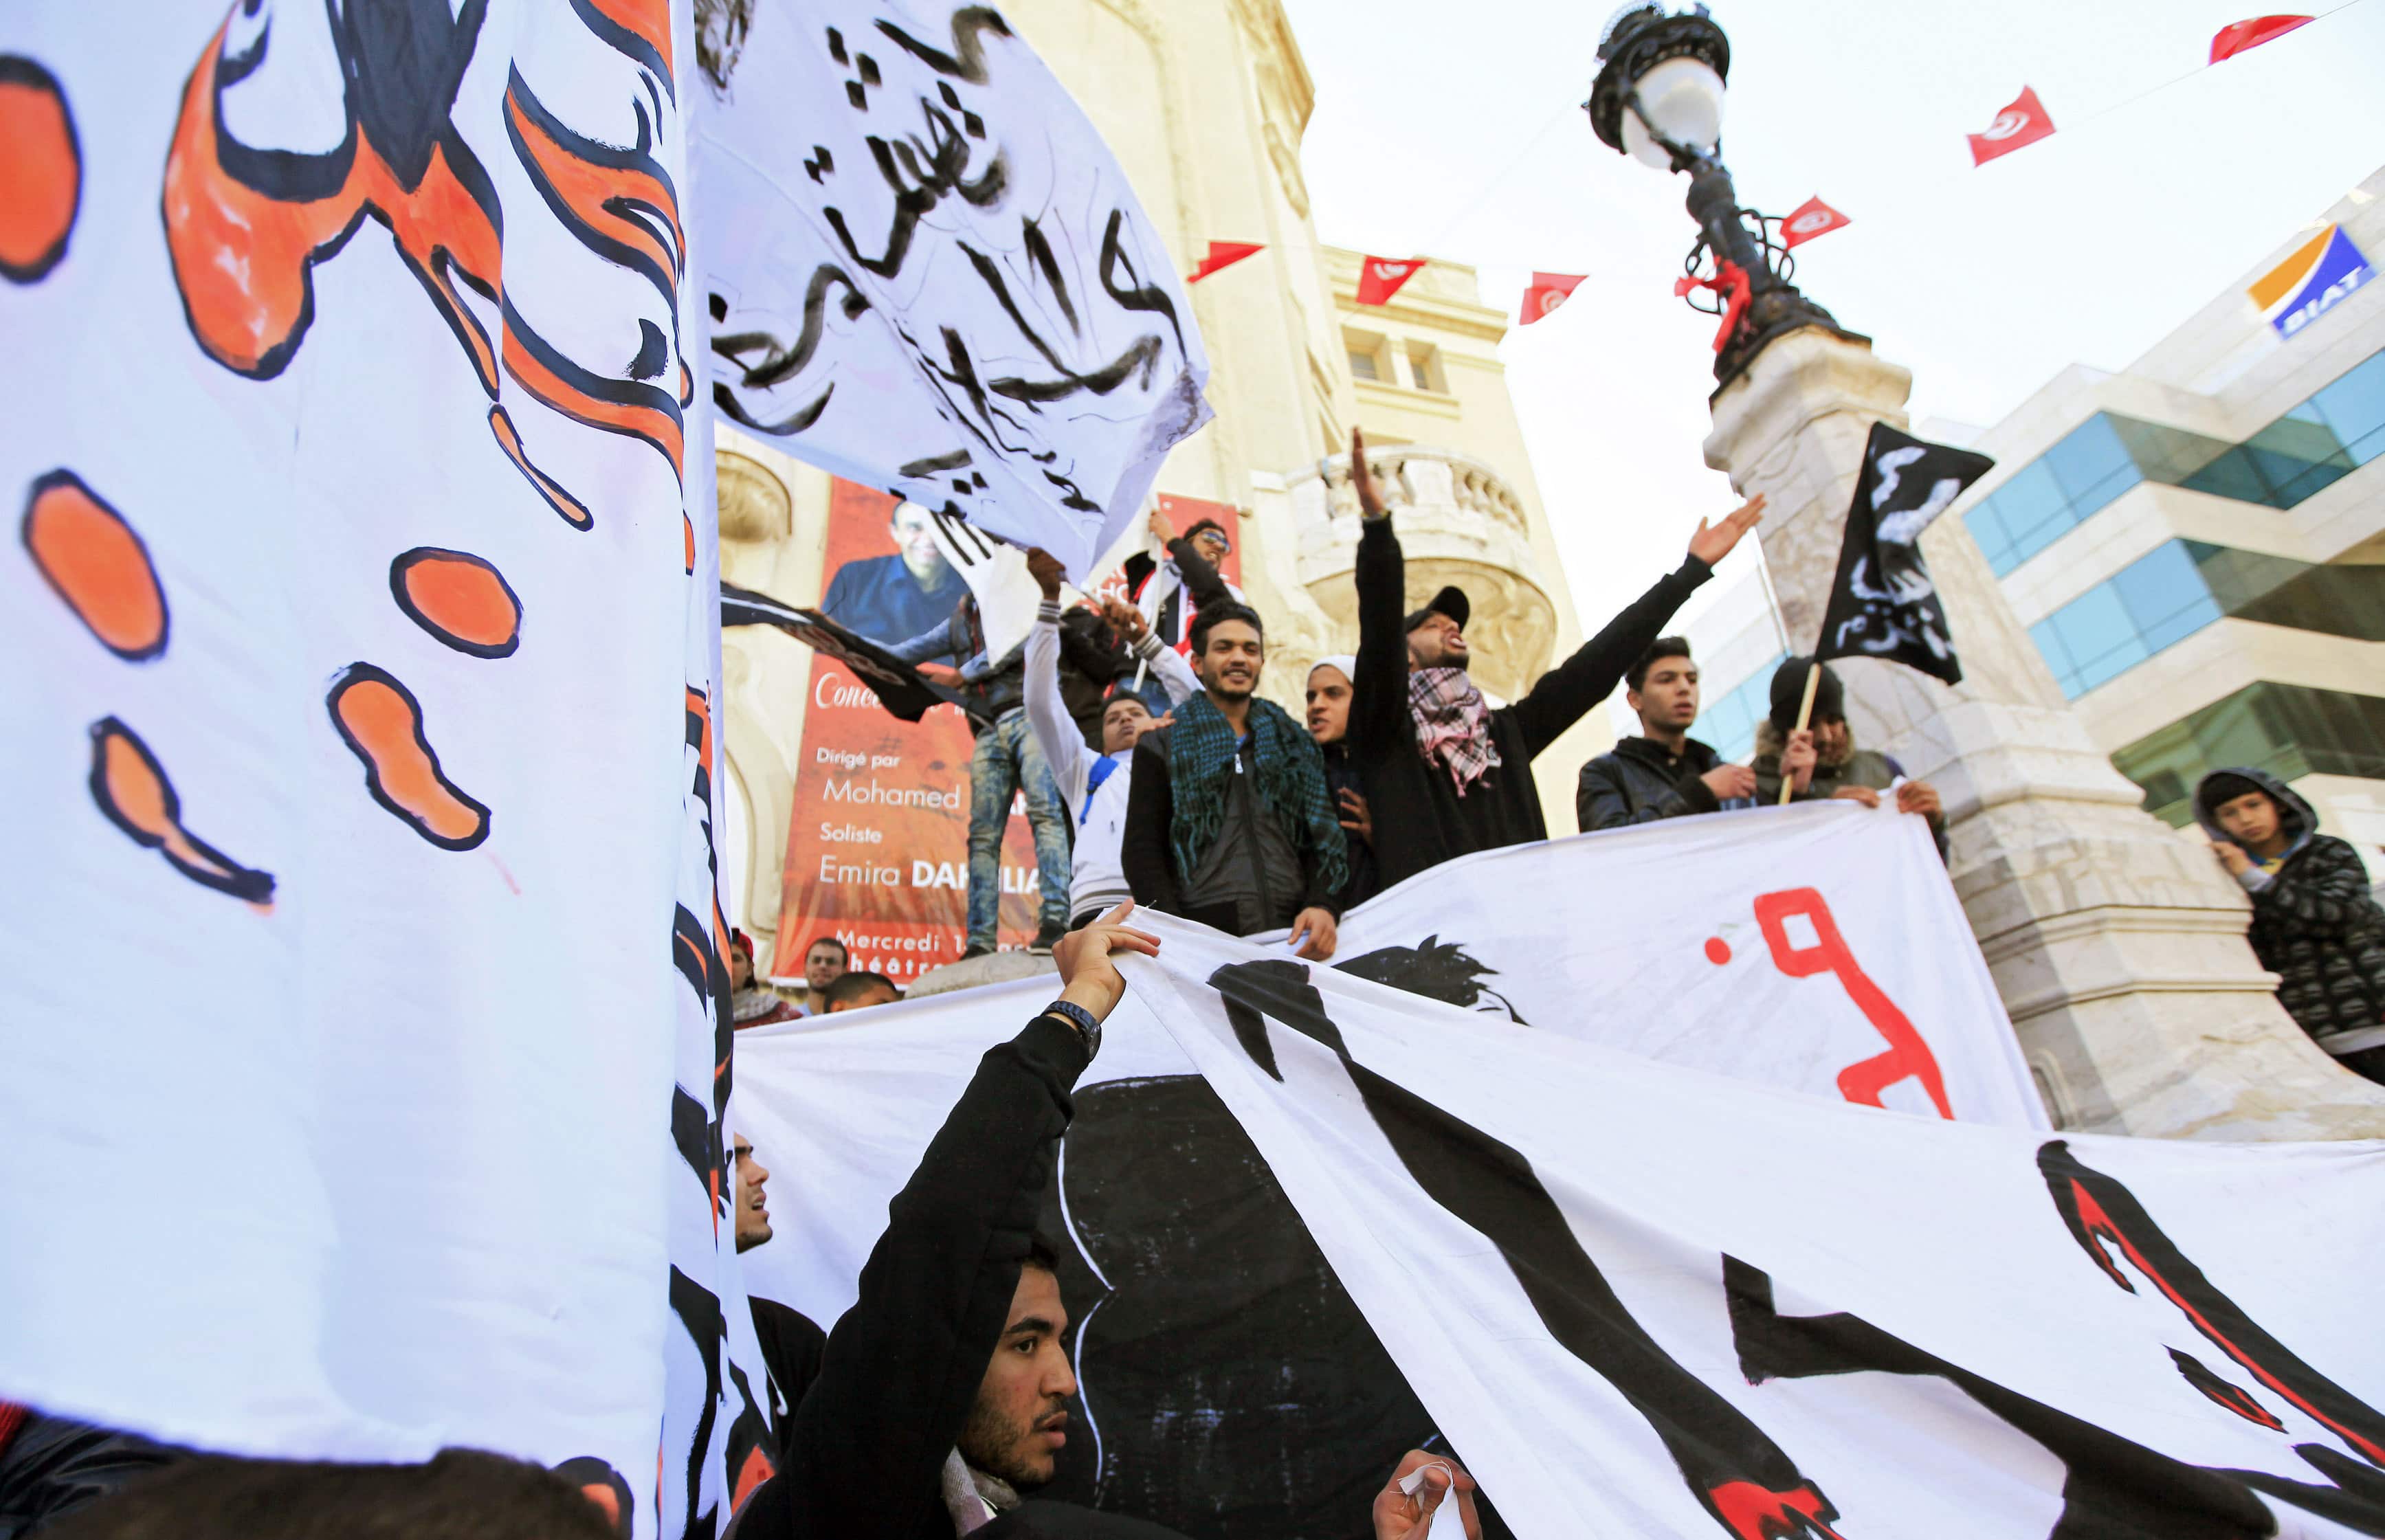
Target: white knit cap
(1345, 662)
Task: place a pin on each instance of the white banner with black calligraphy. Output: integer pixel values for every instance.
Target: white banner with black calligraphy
(1308, 1223)
(362, 1037)
(927, 272)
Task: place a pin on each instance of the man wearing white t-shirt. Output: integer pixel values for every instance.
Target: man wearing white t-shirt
(1093, 786)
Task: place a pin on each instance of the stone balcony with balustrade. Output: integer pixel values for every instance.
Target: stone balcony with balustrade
(1459, 523)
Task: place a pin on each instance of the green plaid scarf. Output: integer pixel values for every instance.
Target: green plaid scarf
(1201, 749)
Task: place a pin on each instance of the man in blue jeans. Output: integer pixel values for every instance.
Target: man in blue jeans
(1007, 761)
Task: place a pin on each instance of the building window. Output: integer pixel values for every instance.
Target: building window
(2289, 730)
(2338, 429)
(2180, 587)
(1728, 722)
(1423, 366)
(1366, 356)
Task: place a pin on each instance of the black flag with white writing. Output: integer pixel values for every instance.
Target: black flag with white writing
(1883, 604)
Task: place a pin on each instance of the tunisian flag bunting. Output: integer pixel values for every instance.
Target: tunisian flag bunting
(2237, 36)
(1547, 291)
(1380, 277)
(2024, 122)
(1809, 219)
(1224, 253)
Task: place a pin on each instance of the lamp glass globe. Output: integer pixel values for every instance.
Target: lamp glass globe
(1683, 98)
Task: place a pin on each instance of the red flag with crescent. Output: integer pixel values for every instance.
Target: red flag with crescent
(1380, 277)
(2024, 122)
(2237, 36)
(1809, 219)
(1546, 292)
(1223, 254)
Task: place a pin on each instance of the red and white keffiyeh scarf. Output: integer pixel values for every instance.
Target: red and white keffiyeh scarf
(1452, 723)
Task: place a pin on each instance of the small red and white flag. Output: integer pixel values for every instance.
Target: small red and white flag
(1809, 219)
(2024, 122)
(1223, 254)
(2237, 36)
(1547, 291)
(1380, 277)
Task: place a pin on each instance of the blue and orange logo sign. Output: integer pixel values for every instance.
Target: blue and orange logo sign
(2306, 285)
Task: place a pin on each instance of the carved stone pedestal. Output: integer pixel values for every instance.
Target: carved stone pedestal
(2116, 943)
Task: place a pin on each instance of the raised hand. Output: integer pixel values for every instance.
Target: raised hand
(1362, 480)
(1089, 975)
(1713, 543)
(1045, 568)
(1124, 618)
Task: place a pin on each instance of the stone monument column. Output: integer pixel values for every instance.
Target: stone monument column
(2116, 943)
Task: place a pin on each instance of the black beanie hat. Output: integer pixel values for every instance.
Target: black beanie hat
(1788, 693)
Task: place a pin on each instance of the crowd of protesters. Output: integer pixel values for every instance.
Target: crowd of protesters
(1152, 768)
(1157, 775)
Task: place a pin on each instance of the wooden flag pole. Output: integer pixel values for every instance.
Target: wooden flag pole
(1804, 716)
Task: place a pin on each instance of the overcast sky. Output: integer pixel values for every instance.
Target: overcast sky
(1435, 136)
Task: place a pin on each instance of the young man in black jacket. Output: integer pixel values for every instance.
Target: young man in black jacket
(941, 1391)
(1228, 821)
(1446, 776)
(1665, 773)
(882, 1444)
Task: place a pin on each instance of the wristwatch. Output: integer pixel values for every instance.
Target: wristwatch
(1087, 1025)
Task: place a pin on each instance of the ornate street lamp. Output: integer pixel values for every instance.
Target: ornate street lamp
(1658, 99)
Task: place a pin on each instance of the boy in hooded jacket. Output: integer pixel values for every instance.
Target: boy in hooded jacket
(2314, 922)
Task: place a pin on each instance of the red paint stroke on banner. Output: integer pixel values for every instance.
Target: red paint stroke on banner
(1908, 1055)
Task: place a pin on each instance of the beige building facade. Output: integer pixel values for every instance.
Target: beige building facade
(1205, 104)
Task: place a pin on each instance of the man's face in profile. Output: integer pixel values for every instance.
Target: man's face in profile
(915, 534)
(1019, 1423)
(753, 1208)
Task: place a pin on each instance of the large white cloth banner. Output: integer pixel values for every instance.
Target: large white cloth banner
(1644, 1300)
(927, 274)
(361, 922)
(1818, 947)
(1636, 1299)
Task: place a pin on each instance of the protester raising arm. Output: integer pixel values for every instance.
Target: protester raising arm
(1047, 714)
(1167, 666)
(866, 1448)
(1568, 691)
(1378, 695)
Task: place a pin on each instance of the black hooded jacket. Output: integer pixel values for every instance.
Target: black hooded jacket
(2314, 922)
(863, 1451)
